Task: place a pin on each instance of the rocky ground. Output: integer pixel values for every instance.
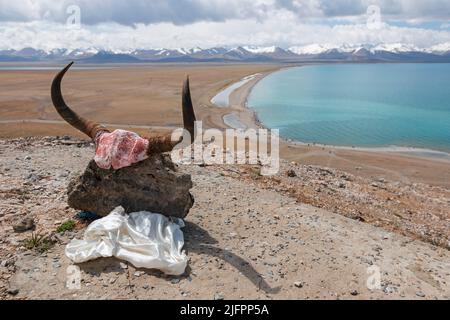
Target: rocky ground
(308, 233)
(415, 210)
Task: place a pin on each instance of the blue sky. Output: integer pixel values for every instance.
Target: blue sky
(122, 25)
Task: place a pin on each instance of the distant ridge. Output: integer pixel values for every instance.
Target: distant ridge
(107, 57)
(310, 53)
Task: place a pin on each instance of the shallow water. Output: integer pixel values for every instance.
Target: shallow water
(364, 105)
(222, 99)
(232, 120)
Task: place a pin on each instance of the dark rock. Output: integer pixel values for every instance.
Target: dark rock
(13, 292)
(152, 185)
(24, 225)
(420, 294)
(291, 174)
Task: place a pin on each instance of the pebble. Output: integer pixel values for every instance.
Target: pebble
(24, 224)
(298, 284)
(354, 293)
(219, 297)
(112, 280)
(291, 174)
(13, 292)
(64, 174)
(123, 265)
(420, 294)
(389, 290)
(175, 281)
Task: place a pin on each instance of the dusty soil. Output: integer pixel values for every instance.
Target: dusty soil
(246, 237)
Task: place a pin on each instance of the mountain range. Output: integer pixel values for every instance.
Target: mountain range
(311, 53)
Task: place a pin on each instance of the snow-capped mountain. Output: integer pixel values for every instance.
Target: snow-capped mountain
(440, 48)
(395, 52)
(310, 49)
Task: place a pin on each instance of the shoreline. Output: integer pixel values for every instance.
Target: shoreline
(238, 99)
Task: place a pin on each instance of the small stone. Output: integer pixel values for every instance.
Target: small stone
(175, 281)
(24, 225)
(32, 177)
(112, 280)
(219, 297)
(13, 291)
(64, 174)
(389, 290)
(420, 294)
(27, 158)
(354, 293)
(123, 265)
(137, 274)
(291, 174)
(298, 284)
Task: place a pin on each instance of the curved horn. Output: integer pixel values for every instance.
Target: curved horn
(165, 144)
(188, 110)
(90, 128)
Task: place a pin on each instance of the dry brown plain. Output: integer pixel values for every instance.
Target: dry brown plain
(137, 95)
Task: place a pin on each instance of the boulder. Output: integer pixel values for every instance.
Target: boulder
(152, 185)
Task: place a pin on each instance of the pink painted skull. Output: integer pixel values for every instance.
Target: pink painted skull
(120, 149)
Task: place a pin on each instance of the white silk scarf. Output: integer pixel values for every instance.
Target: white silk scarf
(144, 239)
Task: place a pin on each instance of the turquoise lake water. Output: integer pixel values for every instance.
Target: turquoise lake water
(362, 105)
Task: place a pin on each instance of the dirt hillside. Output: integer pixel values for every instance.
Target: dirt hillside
(246, 237)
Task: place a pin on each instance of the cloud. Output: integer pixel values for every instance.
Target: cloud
(123, 25)
(182, 12)
(282, 29)
(134, 11)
